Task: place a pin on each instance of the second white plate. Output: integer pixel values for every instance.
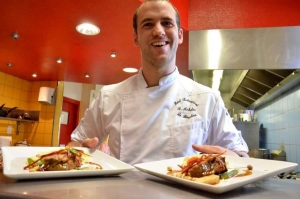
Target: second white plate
(261, 169)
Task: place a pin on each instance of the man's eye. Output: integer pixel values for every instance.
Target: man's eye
(146, 25)
(168, 24)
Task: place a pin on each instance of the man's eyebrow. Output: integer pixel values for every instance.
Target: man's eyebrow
(146, 20)
(167, 19)
(163, 19)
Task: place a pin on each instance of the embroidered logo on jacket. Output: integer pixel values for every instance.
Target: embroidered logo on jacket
(186, 108)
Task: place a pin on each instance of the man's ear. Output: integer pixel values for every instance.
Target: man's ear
(135, 39)
(180, 36)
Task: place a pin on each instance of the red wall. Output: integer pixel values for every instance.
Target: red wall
(235, 14)
(182, 7)
(229, 14)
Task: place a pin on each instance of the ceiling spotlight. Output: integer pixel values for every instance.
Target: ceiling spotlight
(87, 29)
(113, 54)
(34, 75)
(130, 70)
(59, 60)
(87, 75)
(9, 64)
(15, 36)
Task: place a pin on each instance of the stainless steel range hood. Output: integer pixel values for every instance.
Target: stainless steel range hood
(259, 64)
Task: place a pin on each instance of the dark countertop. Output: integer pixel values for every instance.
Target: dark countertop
(136, 184)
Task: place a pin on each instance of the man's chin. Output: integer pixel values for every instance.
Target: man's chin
(162, 58)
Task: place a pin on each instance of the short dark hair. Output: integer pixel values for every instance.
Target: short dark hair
(135, 16)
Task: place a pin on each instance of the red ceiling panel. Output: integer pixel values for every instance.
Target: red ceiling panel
(47, 31)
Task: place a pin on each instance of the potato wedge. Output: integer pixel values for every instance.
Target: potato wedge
(211, 179)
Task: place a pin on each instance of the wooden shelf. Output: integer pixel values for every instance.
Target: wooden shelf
(18, 122)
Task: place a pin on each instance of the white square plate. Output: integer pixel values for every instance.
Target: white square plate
(14, 159)
(261, 169)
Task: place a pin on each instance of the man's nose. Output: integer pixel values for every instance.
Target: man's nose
(158, 30)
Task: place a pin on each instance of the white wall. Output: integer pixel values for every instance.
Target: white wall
(280, 119)
(98, 87)
(73, 90)
(94, 93)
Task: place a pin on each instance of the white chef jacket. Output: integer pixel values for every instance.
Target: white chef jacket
(161, 122)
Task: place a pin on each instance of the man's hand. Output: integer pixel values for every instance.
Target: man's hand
(104, 148)
(92, 144)
(89, 143)
(216, 150)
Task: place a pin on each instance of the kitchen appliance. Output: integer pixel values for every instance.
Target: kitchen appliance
(278, 155)
(46, 95)
(5, 141)
(22, 143)
(246, 117)
(289, 175)
(4, 113)
(25, 116)
(259, 153)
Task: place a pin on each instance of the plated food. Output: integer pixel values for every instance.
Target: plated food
(16, 158)
(261, 168)
(60, 160)
(207, 168)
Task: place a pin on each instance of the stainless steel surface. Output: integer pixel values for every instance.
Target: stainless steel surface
(251, 88)
(138, 185)
(255, 48)
(258, 63)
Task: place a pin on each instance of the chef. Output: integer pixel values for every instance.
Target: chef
(158, 113)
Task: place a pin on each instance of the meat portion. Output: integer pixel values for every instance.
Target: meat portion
(54, 165)
(65, 159)
(214, 165)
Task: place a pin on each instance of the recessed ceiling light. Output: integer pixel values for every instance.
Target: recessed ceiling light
(34, 75)
(15, 36)
(87, 75)
(130, 70)
(9, 64)
(87, 29)
(113, 54)
(59, 60)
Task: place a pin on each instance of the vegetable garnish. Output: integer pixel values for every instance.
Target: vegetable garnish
(229, 174)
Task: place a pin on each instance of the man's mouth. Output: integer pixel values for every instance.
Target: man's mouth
(160, 44)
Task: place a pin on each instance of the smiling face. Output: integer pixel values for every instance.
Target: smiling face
(157, 34)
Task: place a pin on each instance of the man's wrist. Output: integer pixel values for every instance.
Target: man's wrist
(241, 154)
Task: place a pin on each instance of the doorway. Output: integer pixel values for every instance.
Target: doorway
(69, 120)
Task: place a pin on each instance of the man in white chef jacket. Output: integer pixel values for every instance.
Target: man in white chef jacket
(158, 113)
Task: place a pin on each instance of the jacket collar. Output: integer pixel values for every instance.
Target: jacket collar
(164, 80)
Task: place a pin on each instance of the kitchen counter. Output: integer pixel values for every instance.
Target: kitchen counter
(136, 184)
